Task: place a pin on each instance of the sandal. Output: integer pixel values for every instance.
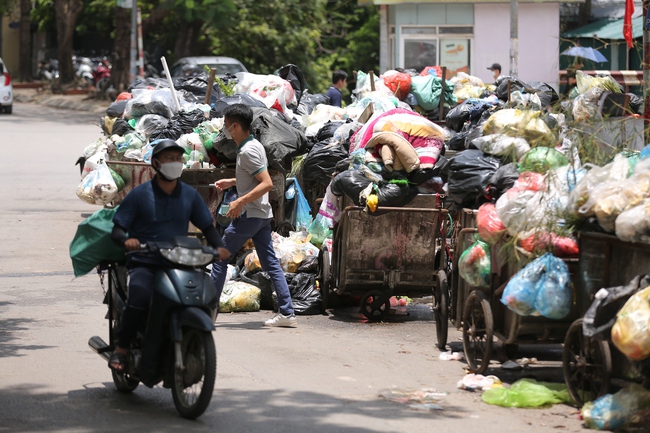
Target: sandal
(119, 359)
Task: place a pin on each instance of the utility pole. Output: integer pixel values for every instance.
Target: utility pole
(646, 72)
(134, 44)
(514, 38)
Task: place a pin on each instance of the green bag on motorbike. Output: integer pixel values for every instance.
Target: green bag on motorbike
(92, 243)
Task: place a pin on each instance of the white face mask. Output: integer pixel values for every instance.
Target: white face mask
(227, 133)
(172, 170)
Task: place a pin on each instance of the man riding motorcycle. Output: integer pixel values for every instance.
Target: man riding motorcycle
(155, 211)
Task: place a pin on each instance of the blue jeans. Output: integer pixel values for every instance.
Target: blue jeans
(259, 230)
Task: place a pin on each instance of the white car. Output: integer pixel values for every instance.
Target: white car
(6, 89)
(190, 66)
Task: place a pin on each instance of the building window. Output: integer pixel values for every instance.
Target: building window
(449, 46)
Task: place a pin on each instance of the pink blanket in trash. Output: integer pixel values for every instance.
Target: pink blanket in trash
(425, 136)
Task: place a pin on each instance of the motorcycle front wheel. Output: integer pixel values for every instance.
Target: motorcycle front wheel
(192, 387)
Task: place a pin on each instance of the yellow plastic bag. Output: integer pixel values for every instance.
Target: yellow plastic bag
(252, 262)
(631, 332)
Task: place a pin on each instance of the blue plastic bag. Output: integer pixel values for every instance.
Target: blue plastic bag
(554, 297)
(303, 210)
(542, 287)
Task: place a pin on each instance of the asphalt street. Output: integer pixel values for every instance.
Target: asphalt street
(324, 376)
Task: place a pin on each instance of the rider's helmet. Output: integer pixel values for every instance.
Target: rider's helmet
(165, 144)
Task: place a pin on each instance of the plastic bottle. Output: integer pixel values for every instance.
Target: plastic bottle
(195, 158)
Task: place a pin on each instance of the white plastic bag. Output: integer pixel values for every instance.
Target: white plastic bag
(272, 90)
(98, 187)
(501, 144)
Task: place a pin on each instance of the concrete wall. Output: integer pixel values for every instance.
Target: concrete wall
(9, 51)
(539, 32)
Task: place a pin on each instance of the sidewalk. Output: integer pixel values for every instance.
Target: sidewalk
(68, 102)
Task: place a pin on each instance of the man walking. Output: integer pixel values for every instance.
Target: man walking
(339, 81)
(251, 211)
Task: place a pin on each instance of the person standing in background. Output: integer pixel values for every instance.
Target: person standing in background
(339, 80)
(496, 69)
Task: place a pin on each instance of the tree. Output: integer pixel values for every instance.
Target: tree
(121, 56)
(67, 12)
(25, 61)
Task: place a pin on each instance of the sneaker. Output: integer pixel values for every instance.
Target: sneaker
(280, 320)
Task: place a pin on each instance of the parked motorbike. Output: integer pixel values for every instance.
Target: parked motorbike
(175, 345)
(102, 74)
(84, 70)
(48, 70)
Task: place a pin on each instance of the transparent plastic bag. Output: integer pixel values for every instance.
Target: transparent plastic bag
(98, 187)
(328, 216)
(272, 90)
(146, 101)
(475, 266)
(554, 296)
(502, 145)
(633, 224)
(631, 332)
(617, 196)
(238, 296)
(612, 411)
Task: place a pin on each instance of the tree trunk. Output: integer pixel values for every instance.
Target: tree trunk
(67, 13)
(585, 13)
(25, 41)
(187, 39)
(121, 58)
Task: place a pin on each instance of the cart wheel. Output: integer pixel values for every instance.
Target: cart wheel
(586, 364)
(325, 276)
(477, 331)
(506, 351)
(375, 305)
(441, 310)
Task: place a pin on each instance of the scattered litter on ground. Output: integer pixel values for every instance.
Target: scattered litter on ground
(451, 356)
(473, 382)
(425, 399)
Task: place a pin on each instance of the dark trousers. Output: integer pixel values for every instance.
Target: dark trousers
(140, 291)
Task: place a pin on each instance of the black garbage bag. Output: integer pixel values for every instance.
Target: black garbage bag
(474, 131)
(116, 109)
(150, 123)
(308, 102)
(262, 280)
(295, 77)
(422, 175)
(547, 95)
(321, 162)
(121, 127)
(470, 172)
(171, 132)
(306, 298)
(395, 195)
(149, 83)
(601, 315)
(220, 105)
(309, 265)
(350, 183)
(502, 180)
(186, 121)
(502, 86)
(280, 140)
(328, 130)
(457, 116)
(636, 103)
(197, 85)
(457, 141)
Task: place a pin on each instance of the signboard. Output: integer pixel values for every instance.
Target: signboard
(646, 21)
(126, 4)
(454, 54)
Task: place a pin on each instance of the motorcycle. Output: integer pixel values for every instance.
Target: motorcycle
(84, 71)
(175, 345)
(48, 70)
(102, 75)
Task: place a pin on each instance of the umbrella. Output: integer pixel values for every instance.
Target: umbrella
(586, 53)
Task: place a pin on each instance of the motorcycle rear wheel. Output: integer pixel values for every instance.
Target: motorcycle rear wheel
(192, 388)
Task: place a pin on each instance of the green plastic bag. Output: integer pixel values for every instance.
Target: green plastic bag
(118, 179)
(238, 296)
(92, 243)
(528, 393)
(427, 91)
(541, 160)
(475, 266)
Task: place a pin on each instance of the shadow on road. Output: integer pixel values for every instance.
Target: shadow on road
(99, 407)
(410, 313)
(8, 330)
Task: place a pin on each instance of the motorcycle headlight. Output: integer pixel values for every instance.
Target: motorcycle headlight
(187, 256)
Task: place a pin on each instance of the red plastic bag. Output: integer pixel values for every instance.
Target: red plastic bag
(431, 70)
(490, 227)
(562, 246)
(529, 181)
(399, 84)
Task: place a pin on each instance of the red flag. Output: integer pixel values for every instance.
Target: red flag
(627, 23)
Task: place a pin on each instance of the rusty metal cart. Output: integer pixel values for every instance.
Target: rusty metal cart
(591, 364)
(389, 254)
(485, 317)
(136, 173)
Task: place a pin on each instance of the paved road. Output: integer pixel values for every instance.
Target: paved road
(324, 376)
